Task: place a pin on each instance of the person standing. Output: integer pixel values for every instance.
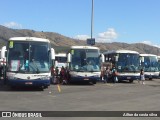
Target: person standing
(107, 74)
(102, 73)
(114, 74)
(57, 75)
(52, 75)
(142, 76)
(63, 75)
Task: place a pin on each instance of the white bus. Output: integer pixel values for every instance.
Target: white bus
(28, 62)
(149, 63)
(126, 63)
(3, 52)
(60, 60)
(84, 64)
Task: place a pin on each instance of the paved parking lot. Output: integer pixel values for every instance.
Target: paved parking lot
(83, 97)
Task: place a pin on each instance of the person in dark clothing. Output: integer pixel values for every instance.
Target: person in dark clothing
(107, 74)
(142, 76)
(63, 75)
(57, 75)
(114, 75)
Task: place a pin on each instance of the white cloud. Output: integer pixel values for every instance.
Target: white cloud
(82, 37)
(147, 42)
(13, 25)
(109, 36)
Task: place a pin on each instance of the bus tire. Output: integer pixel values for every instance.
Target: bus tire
(94, 82)
(131, 81)
(13, 87)
(45, 87)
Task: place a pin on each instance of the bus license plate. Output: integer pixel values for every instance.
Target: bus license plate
(28, 83)
(86, 78)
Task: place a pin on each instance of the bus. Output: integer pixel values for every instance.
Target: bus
(60, 60)
(3, 52)
(126, 63)
(28, 62)
(84, 64)
(149, 63)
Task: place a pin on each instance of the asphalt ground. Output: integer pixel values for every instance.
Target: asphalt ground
(84, 97)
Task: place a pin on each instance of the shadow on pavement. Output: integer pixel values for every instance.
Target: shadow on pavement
(6, 88)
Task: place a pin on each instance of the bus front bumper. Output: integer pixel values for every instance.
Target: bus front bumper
(121, 78)
(84, 79)
(38, 83)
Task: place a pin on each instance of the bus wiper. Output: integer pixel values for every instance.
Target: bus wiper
(37, 70)
(80, 71)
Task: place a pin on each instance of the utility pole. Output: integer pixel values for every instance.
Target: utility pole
(92, 16)
(91, 41)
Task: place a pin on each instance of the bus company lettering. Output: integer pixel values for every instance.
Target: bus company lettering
(34, 115)
(22, 115)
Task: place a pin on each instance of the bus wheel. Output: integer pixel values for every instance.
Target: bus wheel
(131, 81)
(44, 87)
(94, 82)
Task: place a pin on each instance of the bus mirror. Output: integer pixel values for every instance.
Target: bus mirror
(52, 54)
(102, 58)
(56, 63)
(69, 57)
(140, 62)
(142, 59)
(116, 58)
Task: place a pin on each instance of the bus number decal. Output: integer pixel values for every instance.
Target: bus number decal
(11, 44)
(72, 52)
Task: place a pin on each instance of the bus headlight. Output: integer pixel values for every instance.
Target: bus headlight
(45, 78)
(96, 76)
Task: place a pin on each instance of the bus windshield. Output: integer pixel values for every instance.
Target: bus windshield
(85, 60)
(150, 64)
(28, 57)
(128, 62)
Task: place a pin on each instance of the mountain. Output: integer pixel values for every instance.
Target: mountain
(62, 43)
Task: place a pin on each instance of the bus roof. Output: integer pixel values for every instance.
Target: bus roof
(147, 55)
(84, 47)
(121, 51)
(29, 39)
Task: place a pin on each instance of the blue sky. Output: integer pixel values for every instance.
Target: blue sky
(129, 21)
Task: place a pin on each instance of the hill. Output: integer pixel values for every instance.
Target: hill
(62, 43)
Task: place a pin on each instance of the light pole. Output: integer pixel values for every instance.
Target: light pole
(92, 16)
(91, 41)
